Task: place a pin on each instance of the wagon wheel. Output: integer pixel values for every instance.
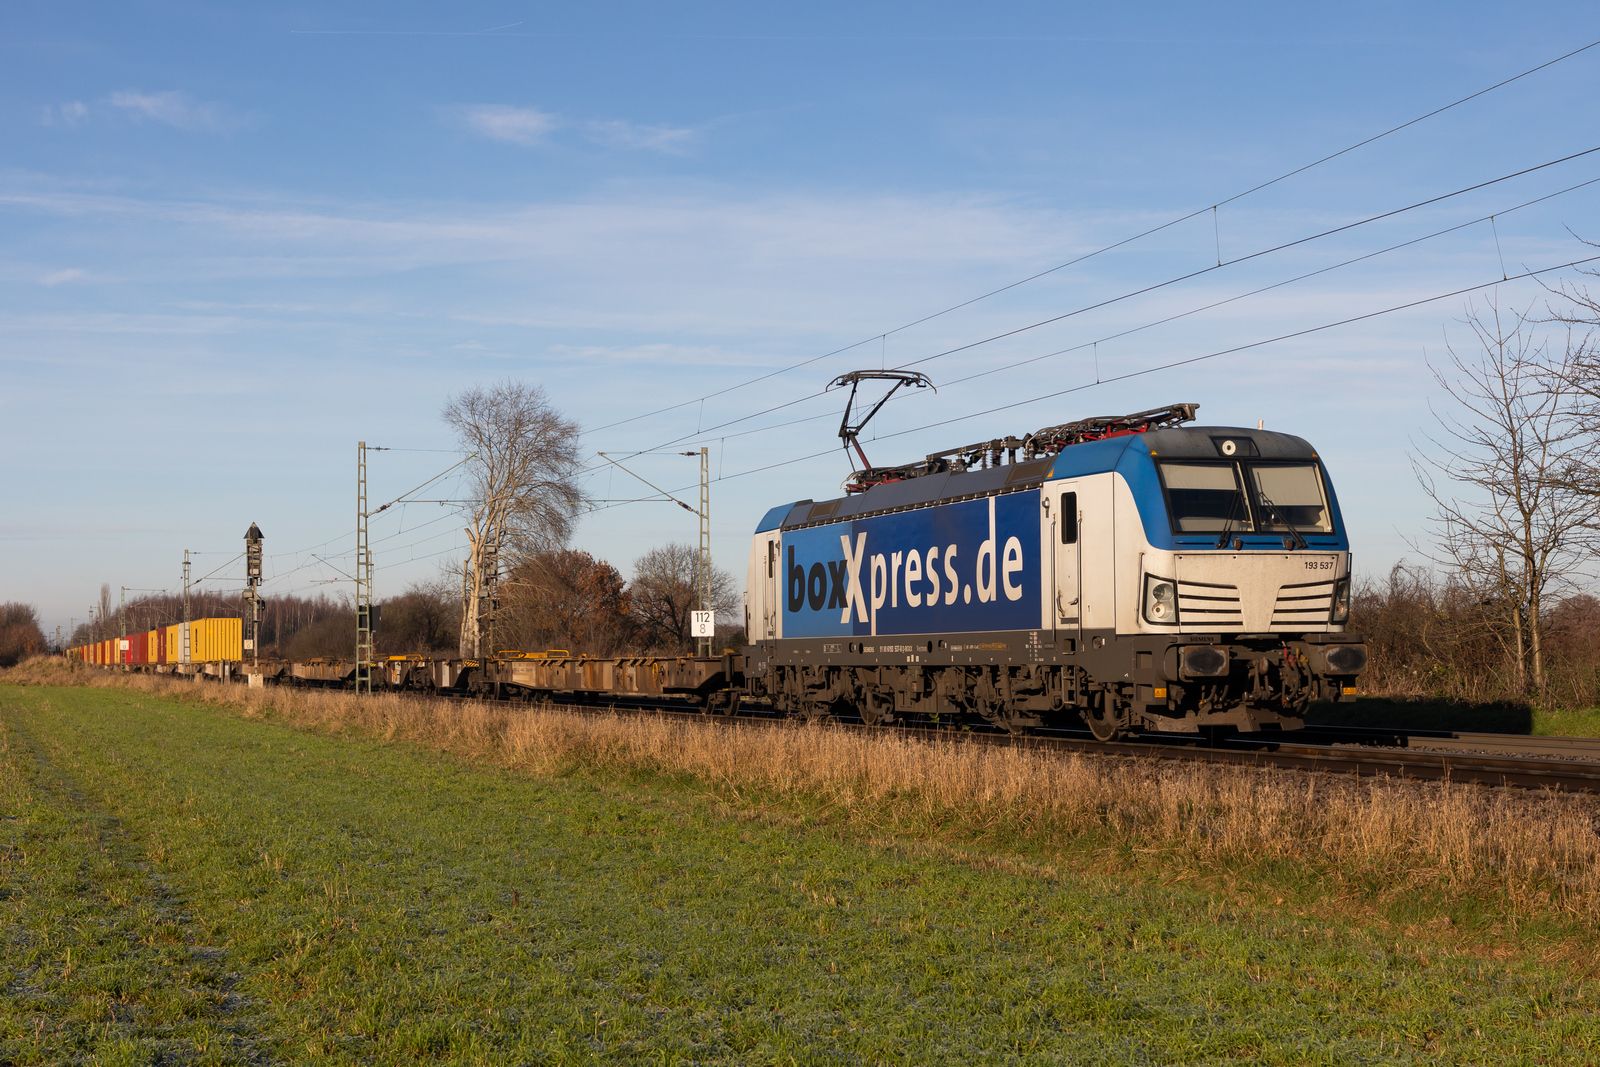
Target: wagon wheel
(1106, 716)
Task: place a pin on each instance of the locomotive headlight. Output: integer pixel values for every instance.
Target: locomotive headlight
(1346, 659)
(1341, 601)
(1203, 661)
(1160, 600)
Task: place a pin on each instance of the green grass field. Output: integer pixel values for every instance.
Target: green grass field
(182, 885)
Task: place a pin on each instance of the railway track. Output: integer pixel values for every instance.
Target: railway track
(1506, 760)
(1354, 752)
(1587, 748)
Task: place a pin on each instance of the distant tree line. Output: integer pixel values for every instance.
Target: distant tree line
(20, 635)
(568, 599)
(1431, 636)
(558, 598)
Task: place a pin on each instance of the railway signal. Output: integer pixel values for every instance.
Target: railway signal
(252, 594)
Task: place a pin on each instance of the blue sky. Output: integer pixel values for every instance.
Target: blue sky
(236, 242)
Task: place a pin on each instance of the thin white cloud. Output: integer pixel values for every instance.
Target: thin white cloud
(172, 108)
(514, 125)
(68, 114)
(62, 276)
(531, 127)
(621, 134)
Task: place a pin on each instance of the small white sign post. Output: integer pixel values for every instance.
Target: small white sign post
(703, 623)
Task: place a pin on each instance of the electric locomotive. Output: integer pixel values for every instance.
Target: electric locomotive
(1133, 572)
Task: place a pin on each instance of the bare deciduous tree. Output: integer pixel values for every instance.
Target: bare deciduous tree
(666, 588)
(1512, 522)
(569, 600)
(523, 478)
(20, 635)
(424, 619)
(1580, 311)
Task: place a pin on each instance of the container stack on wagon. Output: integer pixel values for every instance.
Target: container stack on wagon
(210, 641)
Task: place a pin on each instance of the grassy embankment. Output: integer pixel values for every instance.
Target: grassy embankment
(320, 879)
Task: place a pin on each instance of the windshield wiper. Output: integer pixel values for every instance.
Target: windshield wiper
(1294, 531)
(1227, 523)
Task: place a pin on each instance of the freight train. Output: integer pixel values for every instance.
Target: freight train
(1130, 573)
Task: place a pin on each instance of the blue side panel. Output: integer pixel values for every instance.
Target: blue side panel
(1334, 513)
(962, 567)
(1091, 457)
(1129, 456)
(1139, 471)
(772, 519)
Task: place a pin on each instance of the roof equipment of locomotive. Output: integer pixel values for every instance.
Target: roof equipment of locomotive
(851, 434)
(1047, 441)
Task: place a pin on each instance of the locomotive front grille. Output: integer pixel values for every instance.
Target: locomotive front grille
(1255, 592)
(1203, 604)
(1306, 603)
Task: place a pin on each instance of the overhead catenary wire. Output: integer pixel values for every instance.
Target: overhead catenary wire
(1095, 343)
(276, 578)
(1233, 350)
(1156, 286)
(1255, 255)
(1110, 247)
(1267, 288)
(882, 335)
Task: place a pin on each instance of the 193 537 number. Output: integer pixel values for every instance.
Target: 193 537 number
(1319, 564)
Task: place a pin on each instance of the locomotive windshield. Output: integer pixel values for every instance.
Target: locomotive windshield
(1205, 497)
(1210, 497)
(1290, 495)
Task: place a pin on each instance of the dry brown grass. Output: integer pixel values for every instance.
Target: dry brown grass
(1361, 840)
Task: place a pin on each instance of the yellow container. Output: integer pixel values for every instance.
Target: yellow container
(172, 635)
(216, 640)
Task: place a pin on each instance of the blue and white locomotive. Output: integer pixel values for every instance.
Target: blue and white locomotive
(1133, 572)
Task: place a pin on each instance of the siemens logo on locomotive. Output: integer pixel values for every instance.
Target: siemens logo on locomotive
(961, 567)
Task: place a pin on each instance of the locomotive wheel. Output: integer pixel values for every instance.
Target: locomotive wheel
(1105, 717)
(876, 710)
(816, 710)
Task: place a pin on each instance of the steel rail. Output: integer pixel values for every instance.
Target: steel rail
(1369, 756)
(1453, 741)
(1470, 769)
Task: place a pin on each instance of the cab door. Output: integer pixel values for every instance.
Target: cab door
(769, 594)
(1065, 536)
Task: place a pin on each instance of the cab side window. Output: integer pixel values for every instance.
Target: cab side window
(1069, 518)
